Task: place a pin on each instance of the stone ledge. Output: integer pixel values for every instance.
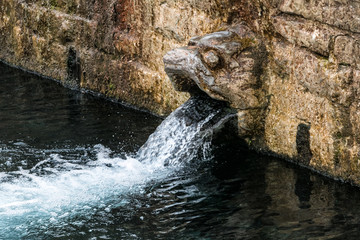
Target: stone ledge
(341, 14)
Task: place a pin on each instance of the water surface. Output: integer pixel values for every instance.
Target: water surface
(71, 167)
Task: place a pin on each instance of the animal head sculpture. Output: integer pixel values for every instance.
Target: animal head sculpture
(227, 65)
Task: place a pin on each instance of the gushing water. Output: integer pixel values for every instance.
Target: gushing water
(185, 132)
(58, 190)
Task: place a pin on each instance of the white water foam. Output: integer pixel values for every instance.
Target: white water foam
(31, 199)
(56, 189)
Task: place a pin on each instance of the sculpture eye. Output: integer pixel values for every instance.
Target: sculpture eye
(211, 58)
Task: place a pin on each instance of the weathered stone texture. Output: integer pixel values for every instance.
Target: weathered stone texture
(118, 44)
(306, 33)
(342, 14)
(291, 105)
(314, 81)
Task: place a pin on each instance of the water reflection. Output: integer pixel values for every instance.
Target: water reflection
(300, 203)
(271, 199)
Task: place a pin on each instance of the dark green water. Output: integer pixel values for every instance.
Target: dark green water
(70, 169)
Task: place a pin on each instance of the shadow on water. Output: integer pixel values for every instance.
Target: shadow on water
(234, 194)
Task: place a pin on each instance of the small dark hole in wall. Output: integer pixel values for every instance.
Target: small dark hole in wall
(73, 69)
(68, 39)
(303, 144)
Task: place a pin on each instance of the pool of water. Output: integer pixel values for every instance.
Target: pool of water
(71, 168)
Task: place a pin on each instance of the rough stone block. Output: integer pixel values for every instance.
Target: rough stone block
(289, 108)
(342, 14)
(305, 33)
(316, 74)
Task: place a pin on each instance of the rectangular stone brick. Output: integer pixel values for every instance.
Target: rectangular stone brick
(316, 74)
(306, 33)
(343, 14)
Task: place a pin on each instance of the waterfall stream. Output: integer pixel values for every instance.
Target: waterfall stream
(58, 190)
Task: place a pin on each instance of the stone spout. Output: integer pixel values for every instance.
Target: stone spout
(227, 65)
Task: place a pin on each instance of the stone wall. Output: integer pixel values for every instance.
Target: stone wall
(313, 83)
(301, 102)
(113, 47)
